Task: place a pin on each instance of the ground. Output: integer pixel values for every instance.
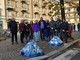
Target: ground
(11, 52)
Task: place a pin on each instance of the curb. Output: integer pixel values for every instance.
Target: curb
(54, 53)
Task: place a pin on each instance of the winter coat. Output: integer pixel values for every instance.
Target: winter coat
(27, 29)
(47, 29)
(64, 26)
(43, 24)
(36, 27)
(52, 24)
(21, 27)
(31, 28)
(13, 26)
(58, 23)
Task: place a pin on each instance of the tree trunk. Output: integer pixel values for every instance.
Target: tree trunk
(62, 9)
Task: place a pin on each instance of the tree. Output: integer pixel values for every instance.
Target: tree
(57, 6)
(54, 7)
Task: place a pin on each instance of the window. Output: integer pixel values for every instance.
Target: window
(16, 14)
(35, 16)
(16, 4)
(9, 13)
(23, 5)
(22, 14)
(38, 16)
(0, 12)
(8, 2)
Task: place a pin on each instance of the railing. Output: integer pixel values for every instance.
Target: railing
(24, 9)
(9, 6)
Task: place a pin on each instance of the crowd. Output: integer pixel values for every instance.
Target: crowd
(40, 29)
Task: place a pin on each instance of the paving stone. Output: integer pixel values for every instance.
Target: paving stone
(11, 52)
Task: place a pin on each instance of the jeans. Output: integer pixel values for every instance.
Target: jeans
(36, 36)
(42, 34)
(14, 35)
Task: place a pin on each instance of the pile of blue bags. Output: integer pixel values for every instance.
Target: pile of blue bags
(56, 41)
(31, 49)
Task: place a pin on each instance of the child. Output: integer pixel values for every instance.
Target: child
(36, 30)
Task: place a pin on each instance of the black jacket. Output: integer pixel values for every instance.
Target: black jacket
(43, 24)
(27, 29)
(13, 26)
(58, 23)
(52, 24)
(64, 26)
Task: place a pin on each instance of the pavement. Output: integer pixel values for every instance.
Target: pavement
(77, 56)
(11, 52)
(69, 55)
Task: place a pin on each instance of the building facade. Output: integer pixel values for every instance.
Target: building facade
(2, 15)
(71, 11)
(23, 9)
(33, 10)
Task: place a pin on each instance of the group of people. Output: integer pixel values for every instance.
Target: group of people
(39, 29)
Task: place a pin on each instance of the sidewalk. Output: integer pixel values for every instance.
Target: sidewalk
(60, 50)
(11, 52)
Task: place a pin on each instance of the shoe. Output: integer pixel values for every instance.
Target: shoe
(16, 42)
(22, 42)
(12, 43)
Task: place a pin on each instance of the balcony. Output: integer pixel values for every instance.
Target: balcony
(23, 1)
(12, 0)
(44, 2)
(43, 5)
(10, 7)
(36, 12)
(43, 13)
(35, 3)
(24, 10)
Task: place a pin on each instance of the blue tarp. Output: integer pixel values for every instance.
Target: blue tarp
(31, 49)
(56, 41)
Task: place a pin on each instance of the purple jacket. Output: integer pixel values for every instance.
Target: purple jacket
(36, 27)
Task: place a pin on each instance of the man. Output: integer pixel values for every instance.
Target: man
(13, 28)
(78, 27)
(42, 28)
(52, 27)
(58, 29)
(64, 29)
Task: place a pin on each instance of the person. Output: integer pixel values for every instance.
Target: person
(70, 30)
(42, 28)
(64, 29)
(14, 29)
(47, 31)
(36, 30)
(9, 20)
(52, 27)
(57, 28)
(27, 30)
(31, 29)
(78, 27)
(22, 30)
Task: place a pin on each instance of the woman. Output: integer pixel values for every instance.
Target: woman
(36, 30)
(31, 29)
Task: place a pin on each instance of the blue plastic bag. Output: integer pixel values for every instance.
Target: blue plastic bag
(56, 41)
(31, 50)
